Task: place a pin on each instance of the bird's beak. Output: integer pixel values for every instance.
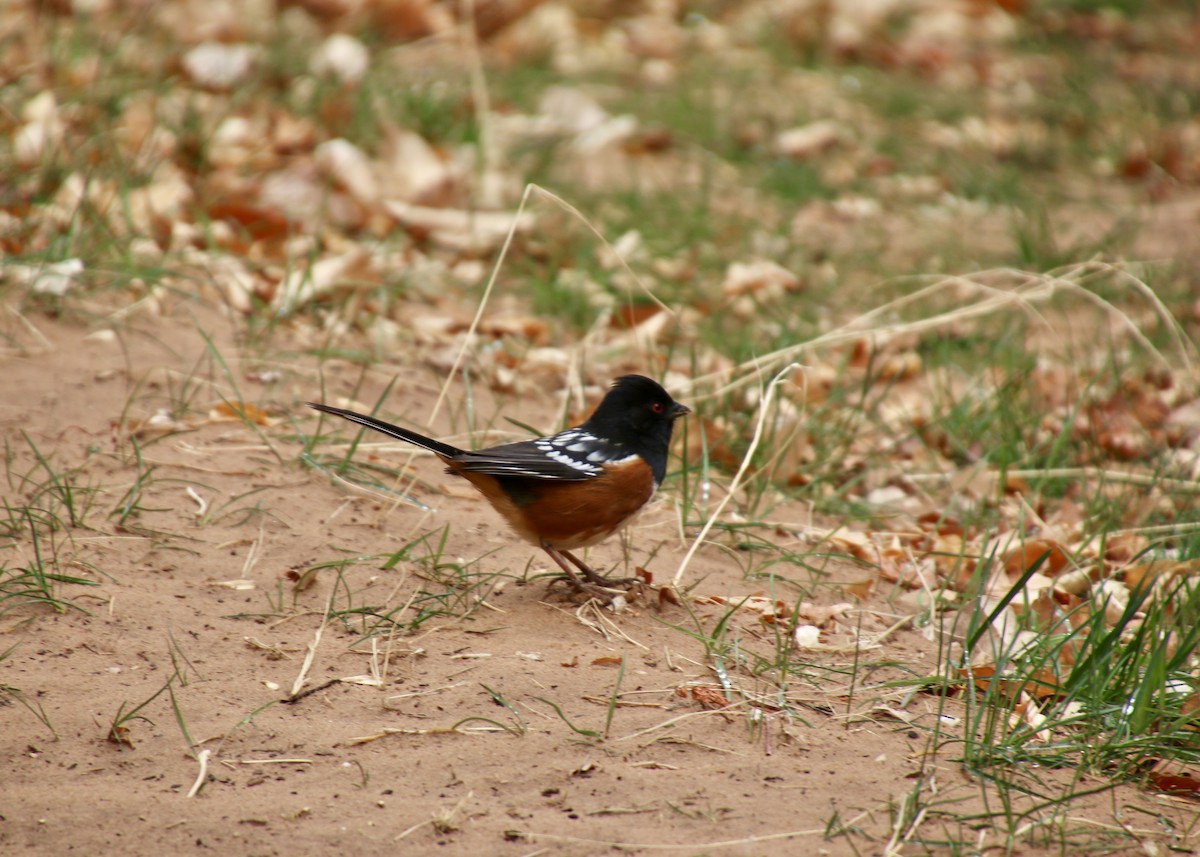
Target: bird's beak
(679, 410)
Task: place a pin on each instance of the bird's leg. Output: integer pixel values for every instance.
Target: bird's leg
(594, 585)
(596, 578)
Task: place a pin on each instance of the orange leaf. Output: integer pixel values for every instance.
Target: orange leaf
(668, 595)
(259, 223)
(1184, 784)
(861, 589)
(1042, 684)
(1018, 561)
(627, 315)
(707, 695)
(1149, 573)
(938, 522)
(240, 411)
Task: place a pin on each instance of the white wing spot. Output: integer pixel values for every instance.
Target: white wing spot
(571, 461)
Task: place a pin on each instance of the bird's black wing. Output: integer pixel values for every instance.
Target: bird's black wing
(571, 455)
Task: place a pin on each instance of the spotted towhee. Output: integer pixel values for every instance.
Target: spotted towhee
(572, 489)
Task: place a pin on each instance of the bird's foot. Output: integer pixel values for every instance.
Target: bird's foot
(605, 590)
(621, 583)
(592, 585)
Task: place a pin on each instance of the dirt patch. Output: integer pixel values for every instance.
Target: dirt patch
(456, 704)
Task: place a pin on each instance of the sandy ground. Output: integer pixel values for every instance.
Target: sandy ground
(294, 778)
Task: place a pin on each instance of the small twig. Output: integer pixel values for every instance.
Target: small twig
(435, 730)
(200, 501)
(252, 555)
(302, 676)
(412, 829)
(201, 757)
(698, 847)
(296, 697)
(688, 716)
(621, 703)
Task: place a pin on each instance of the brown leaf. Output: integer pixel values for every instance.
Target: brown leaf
(899, 367)
(668, 595)
(861, 589)
(820, 615)
(628, 315)
(1020, 559)
(1075, 582)
(1042, 684)
(1157, 571)
(709, 696)
(522, 327)
(649, 141)
(119, 735)
(238, 411)
(936, 521)
(259, 224)
(1123, 547)
(770, 611)
(1181, 784)
(1015, 485)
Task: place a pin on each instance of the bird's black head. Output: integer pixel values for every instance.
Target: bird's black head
(638, 413)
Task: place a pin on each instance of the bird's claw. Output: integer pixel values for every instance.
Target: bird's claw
(603, 589)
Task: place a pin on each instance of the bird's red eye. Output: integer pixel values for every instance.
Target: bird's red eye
(657, 407)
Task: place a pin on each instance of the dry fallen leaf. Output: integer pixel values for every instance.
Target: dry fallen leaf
(808, 141)
(709, 696)
(769, 610)
(43, 129)
(476, 231)
(1020, 559)
(765, 280)
(219, 66)
(341, 56)
(238, 412)
(1041, 684)
(308, 283)
(57, 278)
(238, 585)
(159, 424)
(1158, 573)
(349, 167)
(1182, 783)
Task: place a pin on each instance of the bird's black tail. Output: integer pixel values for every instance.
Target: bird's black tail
(435, 446)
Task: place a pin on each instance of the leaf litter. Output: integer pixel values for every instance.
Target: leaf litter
(283, 211)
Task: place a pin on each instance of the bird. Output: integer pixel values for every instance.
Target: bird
(572, 489)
